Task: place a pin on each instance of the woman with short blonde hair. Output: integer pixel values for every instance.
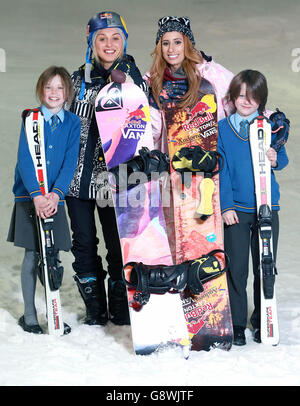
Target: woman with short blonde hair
(106, 53)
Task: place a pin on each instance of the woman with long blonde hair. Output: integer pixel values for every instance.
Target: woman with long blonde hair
(178, 71)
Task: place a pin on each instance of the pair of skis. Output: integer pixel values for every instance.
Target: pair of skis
(51, 273)
(260, 141)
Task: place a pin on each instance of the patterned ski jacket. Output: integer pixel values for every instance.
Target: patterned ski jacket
(217, 75)
(91, 157)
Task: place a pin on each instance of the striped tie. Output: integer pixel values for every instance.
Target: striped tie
(244, 125)
(54, 123)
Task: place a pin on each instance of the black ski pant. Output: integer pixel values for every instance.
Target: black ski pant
(239, 239)
(85, 241)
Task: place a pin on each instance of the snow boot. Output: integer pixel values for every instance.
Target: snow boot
(239, 335)
(35, 329)
(256, 335)
(93, 293)
(117, 303)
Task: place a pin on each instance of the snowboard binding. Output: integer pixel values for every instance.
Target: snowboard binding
(281, 127)
(268, 266)
(196, 159)
(143, 166)
(160, 279)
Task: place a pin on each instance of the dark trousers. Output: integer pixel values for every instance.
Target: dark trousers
(85, 241)
(238, 238)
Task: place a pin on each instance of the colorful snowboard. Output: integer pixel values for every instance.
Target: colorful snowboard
(123, 119)
(208, 315)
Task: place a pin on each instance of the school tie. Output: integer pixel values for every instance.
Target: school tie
(244, 126)
(54, 123)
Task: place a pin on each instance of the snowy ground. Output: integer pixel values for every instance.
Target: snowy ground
(34, 34)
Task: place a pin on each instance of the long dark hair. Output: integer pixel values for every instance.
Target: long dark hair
(256, 87)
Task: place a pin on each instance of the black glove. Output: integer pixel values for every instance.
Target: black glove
(281, 128)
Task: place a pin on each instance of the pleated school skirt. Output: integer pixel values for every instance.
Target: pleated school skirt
(23, 228)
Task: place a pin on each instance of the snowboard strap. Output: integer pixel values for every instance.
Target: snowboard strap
(143, 165)
(196, 159)
(268, 266)
(160, 279)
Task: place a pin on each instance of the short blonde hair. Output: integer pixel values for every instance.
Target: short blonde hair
(47, 75)
(94, 39)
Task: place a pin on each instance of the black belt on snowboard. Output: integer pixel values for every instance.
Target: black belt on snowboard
(144, 166)
(159, 279)
(196, 159)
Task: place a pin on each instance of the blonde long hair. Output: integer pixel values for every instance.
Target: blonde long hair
(192, 58)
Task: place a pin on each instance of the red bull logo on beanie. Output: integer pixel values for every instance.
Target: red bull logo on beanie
(106, 19)
(105, 15)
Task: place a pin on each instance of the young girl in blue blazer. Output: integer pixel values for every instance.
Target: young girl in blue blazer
(54, 89)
